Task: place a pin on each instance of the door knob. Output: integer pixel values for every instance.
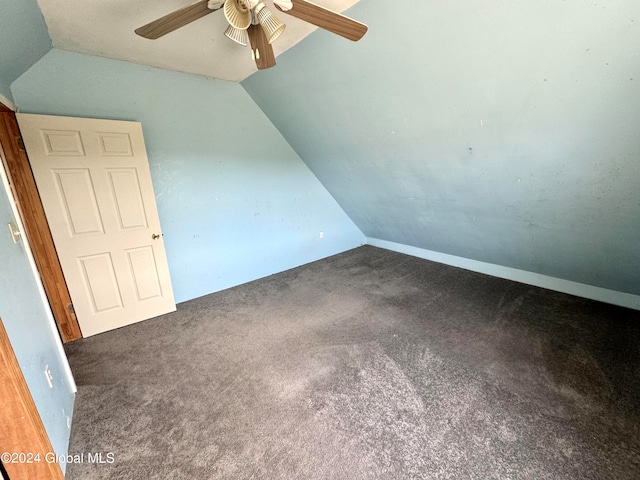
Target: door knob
(155, 236)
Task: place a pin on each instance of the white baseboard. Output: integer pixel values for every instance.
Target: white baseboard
(565, 286)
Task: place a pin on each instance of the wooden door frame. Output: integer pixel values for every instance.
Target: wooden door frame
(25, 193)
(21, 428)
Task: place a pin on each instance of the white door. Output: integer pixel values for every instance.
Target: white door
(94, 180)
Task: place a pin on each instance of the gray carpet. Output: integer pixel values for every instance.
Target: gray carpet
(369, 364)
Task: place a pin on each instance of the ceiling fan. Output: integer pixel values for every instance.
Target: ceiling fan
(250, 21)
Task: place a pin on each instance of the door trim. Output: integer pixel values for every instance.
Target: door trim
(22, 430)
(6, 105)
(32, 214)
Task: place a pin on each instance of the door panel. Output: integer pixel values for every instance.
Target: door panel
(62, 143)
(94, 180)
(144, 271)
(125, 188)
(115, 144)
(78, 200)
(100, 282)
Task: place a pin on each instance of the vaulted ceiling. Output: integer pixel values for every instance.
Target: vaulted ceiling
(505, 132)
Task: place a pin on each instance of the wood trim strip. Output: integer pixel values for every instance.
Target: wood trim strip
(21, 428)
(25, 192)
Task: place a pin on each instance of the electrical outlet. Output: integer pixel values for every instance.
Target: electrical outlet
(321, 234)
(47, 373)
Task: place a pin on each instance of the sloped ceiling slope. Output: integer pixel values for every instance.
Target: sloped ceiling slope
(23, 40)
(505, 132)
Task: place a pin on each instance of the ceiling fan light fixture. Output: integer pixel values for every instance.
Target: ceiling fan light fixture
(252, 19)
(271, 24)
(238, 35)
(237, 14)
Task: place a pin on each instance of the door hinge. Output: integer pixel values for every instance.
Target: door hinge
(20, 143)
(71, 309)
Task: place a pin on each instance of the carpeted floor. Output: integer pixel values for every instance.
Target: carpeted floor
(366, 365)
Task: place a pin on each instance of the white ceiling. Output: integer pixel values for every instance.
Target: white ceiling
(106, 28)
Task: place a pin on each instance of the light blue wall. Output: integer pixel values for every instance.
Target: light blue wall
(5, 90)
(236, 203)
(24, 39)
(31, 334)
(505, 132)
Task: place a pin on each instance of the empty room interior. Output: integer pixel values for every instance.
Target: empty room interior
(332, 240)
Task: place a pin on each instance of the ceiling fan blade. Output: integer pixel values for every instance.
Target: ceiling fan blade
(262, 49)
(327, 19)
(175, 20)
